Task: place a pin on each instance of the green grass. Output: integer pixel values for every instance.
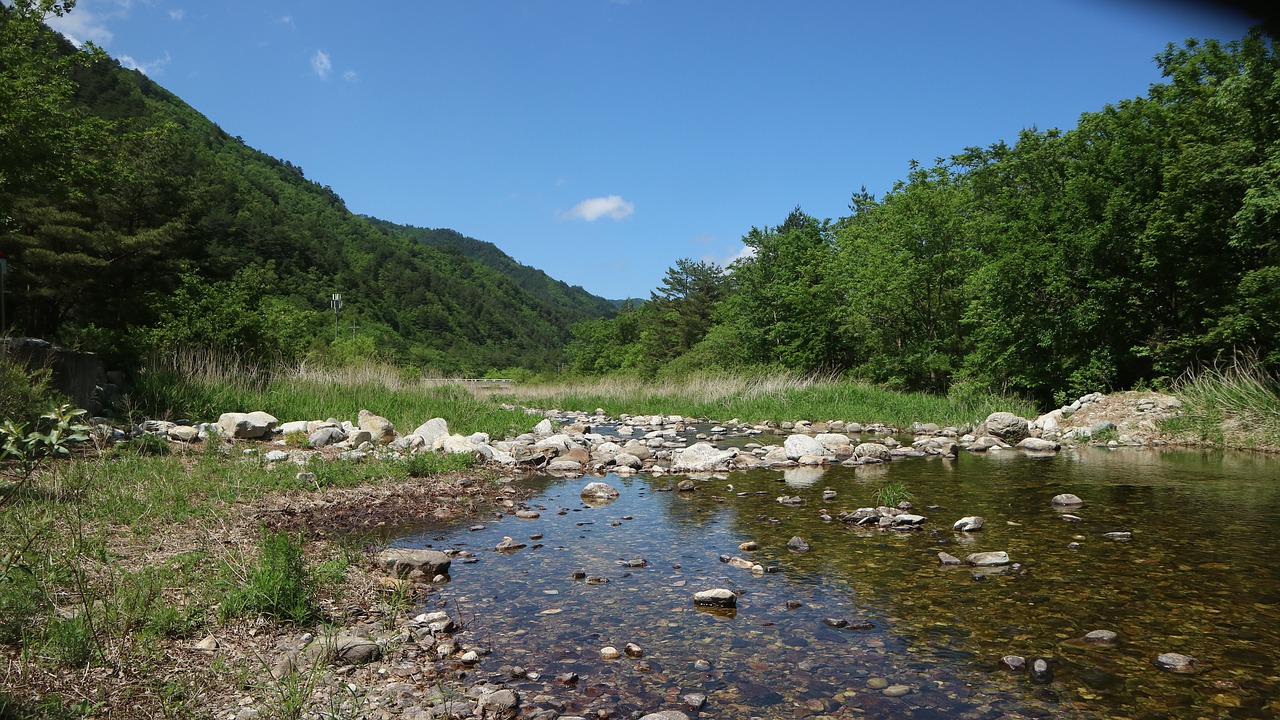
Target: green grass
(1236, 407)
(202, 388)
(760, 399)
(279, 586)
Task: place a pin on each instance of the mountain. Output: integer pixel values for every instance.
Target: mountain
(533, 280)
(132, 224)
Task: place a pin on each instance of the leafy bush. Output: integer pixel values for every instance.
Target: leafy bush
(280, 587)
(22, 392)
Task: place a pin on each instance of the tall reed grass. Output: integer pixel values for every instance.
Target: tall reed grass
(1236, 406)
(758, 398)
(201, 386)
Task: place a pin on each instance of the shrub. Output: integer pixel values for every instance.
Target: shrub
(23, 392)
(280, 586)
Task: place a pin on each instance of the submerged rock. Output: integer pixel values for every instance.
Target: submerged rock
(1014, 663)
(1177, 663)
(1041, 671)
(988, 559)
(1106, 638)
(1067, 500)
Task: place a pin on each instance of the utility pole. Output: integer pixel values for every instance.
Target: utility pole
(336, 301)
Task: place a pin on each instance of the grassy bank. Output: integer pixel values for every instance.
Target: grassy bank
(112, 566)
(200, 387)
(753, 398)
(1236, 407)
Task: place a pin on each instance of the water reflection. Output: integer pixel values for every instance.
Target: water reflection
(1199, 577)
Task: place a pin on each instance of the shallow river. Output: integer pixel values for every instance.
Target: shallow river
(1200, 576)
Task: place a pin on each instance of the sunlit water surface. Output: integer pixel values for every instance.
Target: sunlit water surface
(1199, 577)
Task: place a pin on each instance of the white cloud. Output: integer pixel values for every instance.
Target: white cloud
(287, 20)
(177, 14)
(150, 69)
(81, 26)
(593, 209)
(320, 63)
(351, 76)
(746, 252)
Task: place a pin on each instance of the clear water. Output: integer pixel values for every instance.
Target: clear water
(1201, 576)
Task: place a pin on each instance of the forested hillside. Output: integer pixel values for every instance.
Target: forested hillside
(133, 224)
(1141, 244)
(572, 301)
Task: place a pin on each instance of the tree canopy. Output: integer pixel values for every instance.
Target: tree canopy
(1123, 252)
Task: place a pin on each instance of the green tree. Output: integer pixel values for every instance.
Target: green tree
(680, 310)
(786, 300)
(904, 267)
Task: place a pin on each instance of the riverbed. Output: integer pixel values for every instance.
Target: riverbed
(868, 622)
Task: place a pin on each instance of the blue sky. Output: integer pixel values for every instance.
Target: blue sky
(602, 140)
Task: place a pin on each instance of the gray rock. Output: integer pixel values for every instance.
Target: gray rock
(402, 561)
(872, 451)
(380, 428)
(1007, 426)
(972, 523)
(1067, 500)
(666, 715)
(355, 650)
(1034, 444)
(797, 446)
(507, 545)
(1177, 663)
(1041, 670)
(184, 433)
(431, 431)
(326, 436)
(564, 465)
(1014, 663)
(988, 559)
(599, 491)
(246, 426)
(1101, 637)
(457, 445)
(694, 700)
(1102, 426)
(628, 460)
(718, 597)
(685, 486)
(798, 544)
(702, 457)
(500, 705)
(276, 456)
(896, 690)
(948, 559)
